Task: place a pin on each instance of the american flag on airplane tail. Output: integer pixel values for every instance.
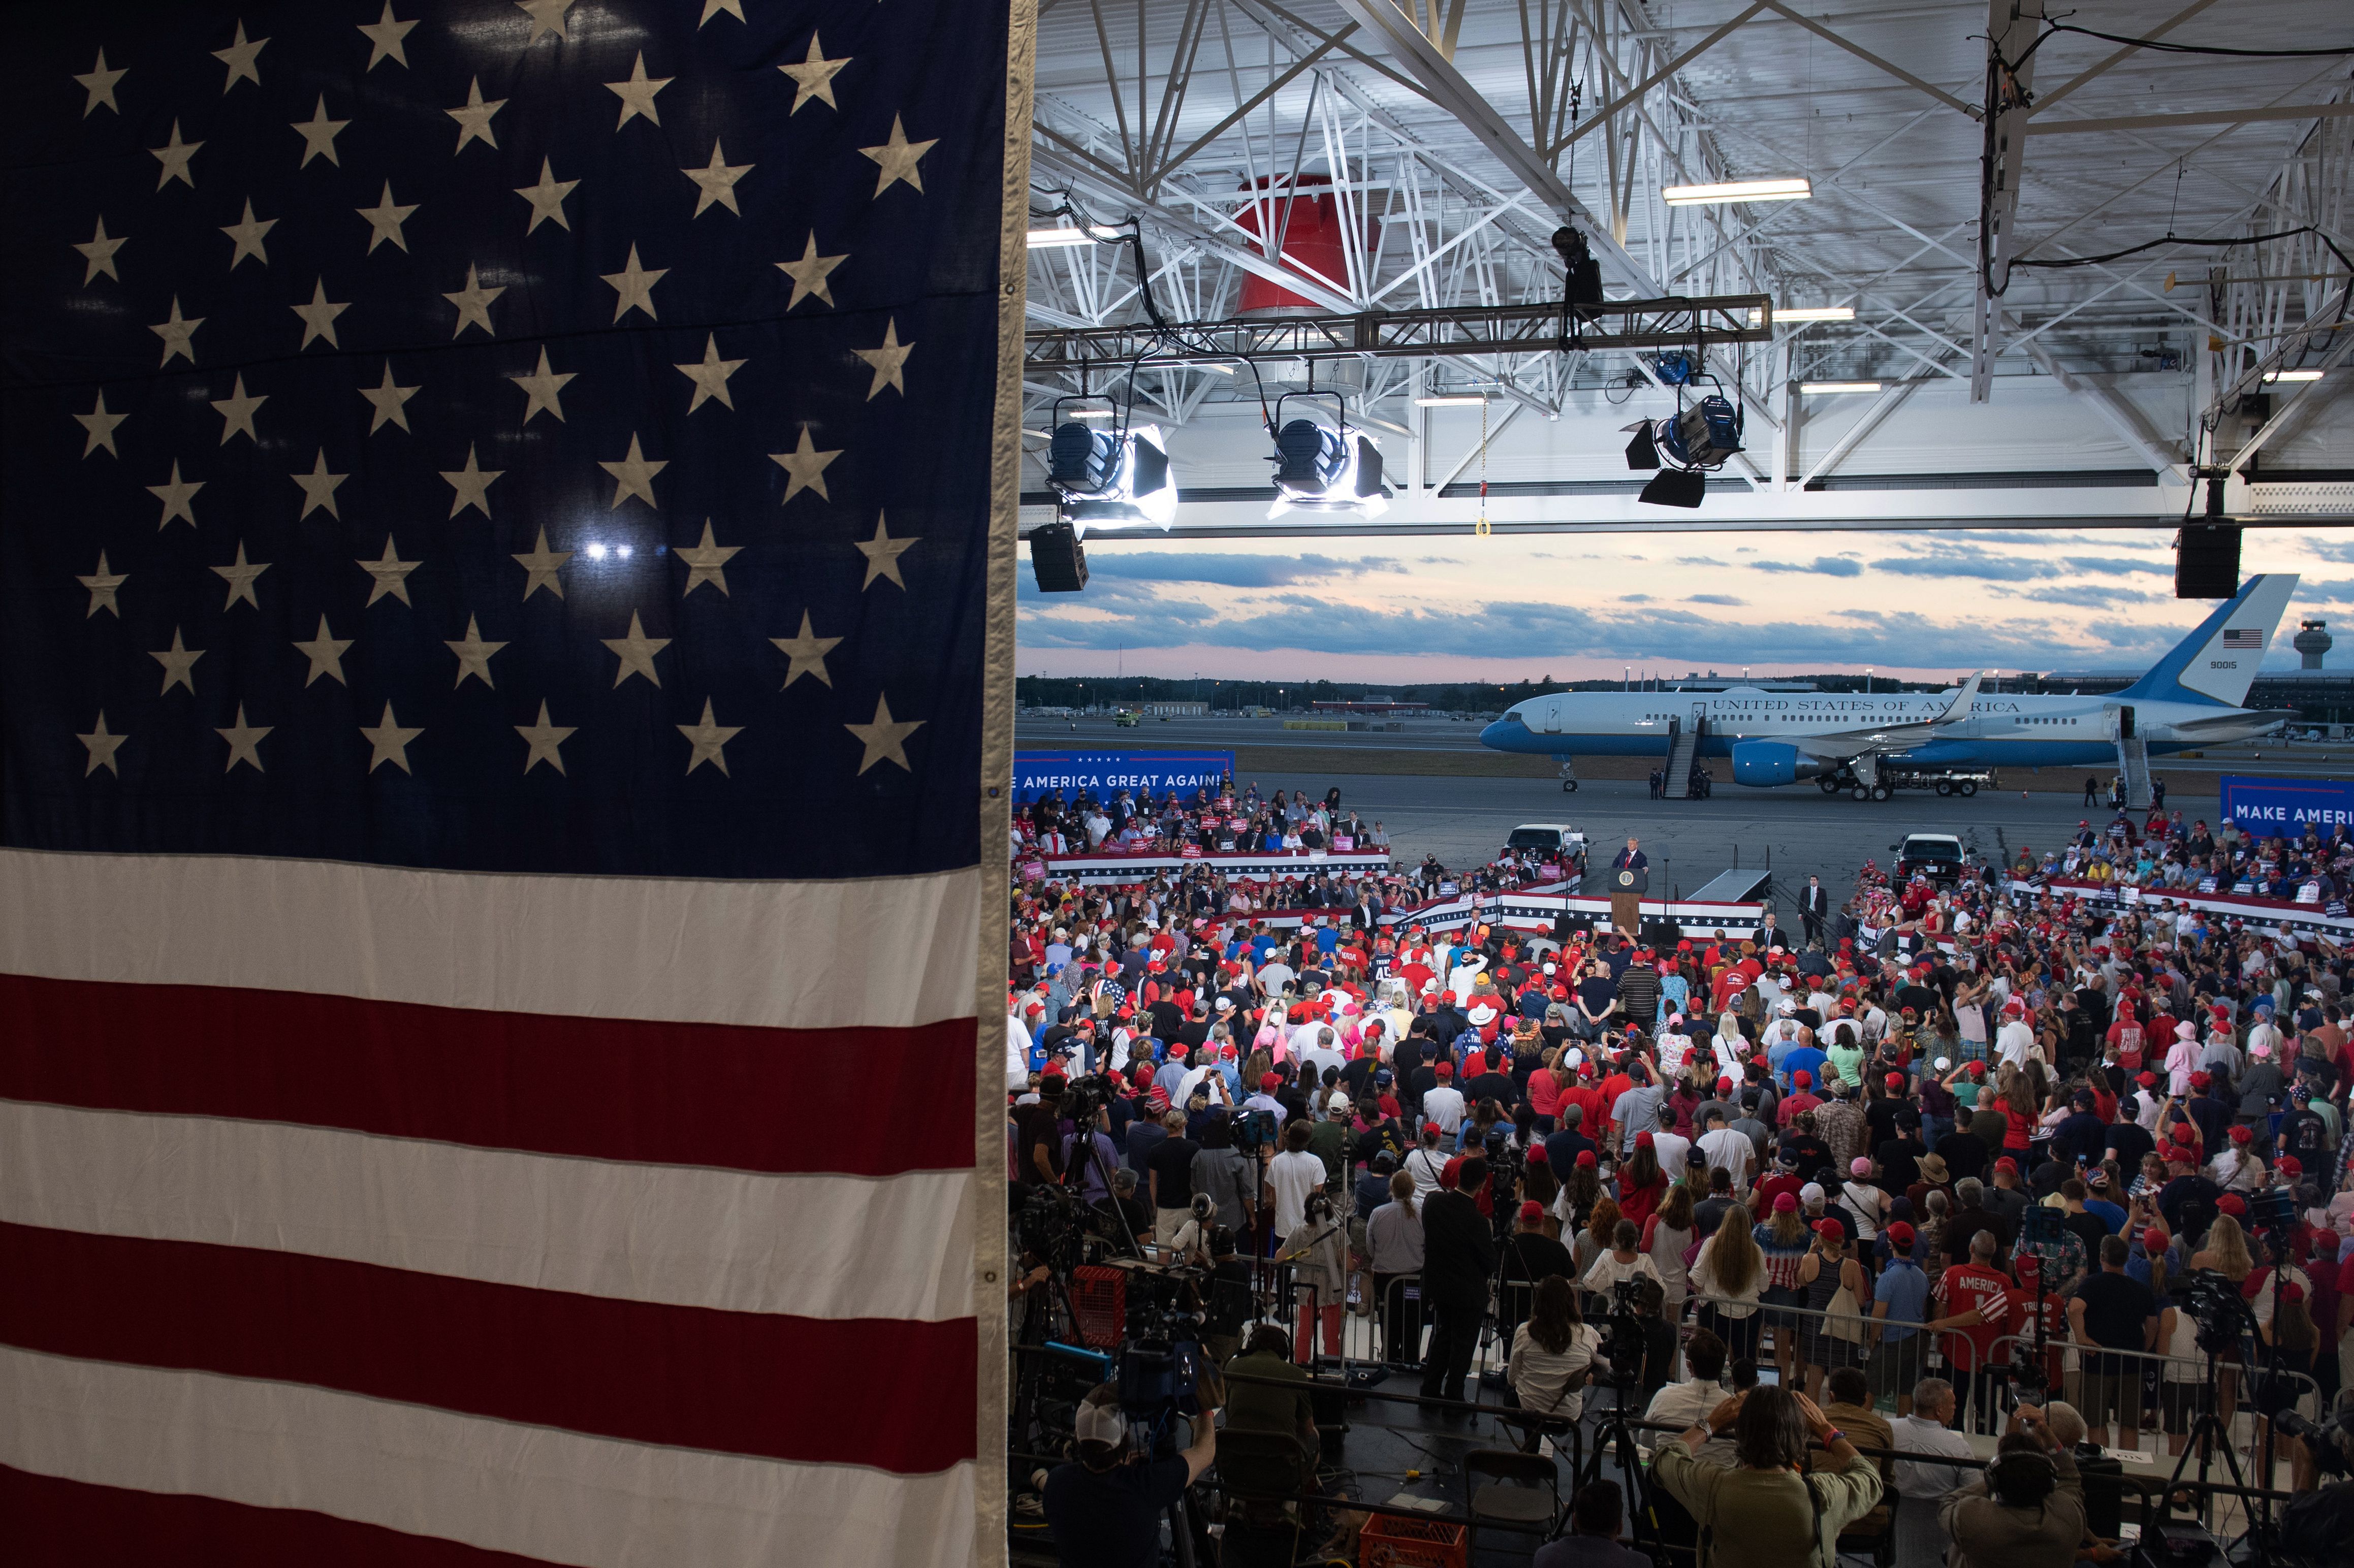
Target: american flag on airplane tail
(494, 505)
(2236, 637)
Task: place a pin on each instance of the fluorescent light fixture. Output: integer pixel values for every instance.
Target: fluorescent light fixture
(2292, 374)
(1738, 190)
(1471, 401)
(1107, 232)
(1049, 239)
(1096, 413)
(1832, 387)
(1792, 314)
(1213, 365)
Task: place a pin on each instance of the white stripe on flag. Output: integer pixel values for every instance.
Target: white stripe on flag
(792, 954)
(812, 1247)
(538, 1492)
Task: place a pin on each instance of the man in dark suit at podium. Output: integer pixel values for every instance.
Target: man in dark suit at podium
(1814, 908)
(1626, 892)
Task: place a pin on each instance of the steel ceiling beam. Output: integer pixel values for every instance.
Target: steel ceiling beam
(2197, 117)
(1444, 330)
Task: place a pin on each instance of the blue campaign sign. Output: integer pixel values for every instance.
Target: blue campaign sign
(1107, 772)
(2280, 808)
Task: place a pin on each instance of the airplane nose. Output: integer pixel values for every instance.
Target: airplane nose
(1501, 733)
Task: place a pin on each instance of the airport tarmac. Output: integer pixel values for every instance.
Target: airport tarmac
(1464, 822)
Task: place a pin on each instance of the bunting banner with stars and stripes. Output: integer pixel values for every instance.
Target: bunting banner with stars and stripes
(505, 548)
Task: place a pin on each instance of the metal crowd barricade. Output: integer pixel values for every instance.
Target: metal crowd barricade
(2239, 1377)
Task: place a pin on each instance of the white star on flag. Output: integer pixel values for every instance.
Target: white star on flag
(637, 94)
(244, 742)
(390, 572)
(319, 317)
(634, 475)
(177, 334)
(236, 412)
(319, 488)
(99, 255)
(173, 154)
(100, 425)
(813, 78)
(473, 303)
(635, 284)
(809, 273)
(385, 36)
(883, 552)
(388, 742)
(472, 484)
(707, 562)
(178, 497)
(886, 739)
(239, 58)
(636, 652)
(325, 652)
(98, 82)
(541, 566)
(889, 361)
(179, 662)
(545, 738)
(546, 16)
(896, 159)
(384, 221)
(102, 584)
(474, 117)
(319, 134)
(710, 377)
(715, 182)
(248, 234)
(805, 465)
(473, 655)
(544, 387)
(102, 748)
(709, 738)
(806, 652)
(546, 197)
(390, 402)
(240, 575)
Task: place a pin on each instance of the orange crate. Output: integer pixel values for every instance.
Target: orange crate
(1388, 1541)
(1099, 1298)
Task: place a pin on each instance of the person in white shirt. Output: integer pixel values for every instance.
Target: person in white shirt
(1688, 1404)
(1323, 1052)
(1919, 1537)
(2015, 1042)
(2265, 1037)
(1291, 1177)
(1727, 1150)
(1442, 1106)
(1017, 1054)
(1426, 1163)
(1623, 1261)
(1673, 1149)
(1552, 1353)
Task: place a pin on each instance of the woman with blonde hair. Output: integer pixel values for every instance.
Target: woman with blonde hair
(1728, 1273)
(1394, 1248)
(2226, 1252)
(1667, 1236)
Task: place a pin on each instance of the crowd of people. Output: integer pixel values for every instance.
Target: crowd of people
(1955, 1157)
(2163, 854)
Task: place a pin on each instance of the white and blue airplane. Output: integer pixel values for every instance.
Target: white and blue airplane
(1840, 741)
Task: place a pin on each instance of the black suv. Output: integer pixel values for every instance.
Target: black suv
(1938, 855)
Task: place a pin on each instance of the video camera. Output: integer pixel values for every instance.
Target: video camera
(1623, 1338)
(2213, 1299)
(2321, 1436)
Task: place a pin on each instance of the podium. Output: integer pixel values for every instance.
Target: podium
(1628, 884)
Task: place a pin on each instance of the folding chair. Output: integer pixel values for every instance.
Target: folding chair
(1515, 1497)
(1261, 1474)
(1880, 1545)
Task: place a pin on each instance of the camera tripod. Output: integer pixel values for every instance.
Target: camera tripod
(1615, 1440)
(2207, 1434)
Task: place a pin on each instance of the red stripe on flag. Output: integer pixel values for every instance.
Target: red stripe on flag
(605, 1088)
(889, 1394)
(56, 1523)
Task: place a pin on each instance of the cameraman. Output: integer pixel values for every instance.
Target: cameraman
(2317, 1524)
(1104, 1509)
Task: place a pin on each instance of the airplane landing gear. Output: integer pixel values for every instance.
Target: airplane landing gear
(1568, 776)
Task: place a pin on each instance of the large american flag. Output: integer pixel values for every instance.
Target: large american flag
(495, 507)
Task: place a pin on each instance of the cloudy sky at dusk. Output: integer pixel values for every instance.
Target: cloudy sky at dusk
(1509, 607)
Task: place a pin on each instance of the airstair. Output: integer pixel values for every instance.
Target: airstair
(2132, 766)
(1684, 745)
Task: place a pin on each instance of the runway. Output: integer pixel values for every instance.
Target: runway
(1464, 822)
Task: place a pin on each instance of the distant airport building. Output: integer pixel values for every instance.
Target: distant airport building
(1392, 707)
(1174, 710)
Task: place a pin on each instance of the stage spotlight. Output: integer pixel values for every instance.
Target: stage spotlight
(1685, 448)
(1119, 476)
(1326, 467)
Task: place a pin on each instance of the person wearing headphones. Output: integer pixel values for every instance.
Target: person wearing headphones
(1104, 1507)
(2027, 1510)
